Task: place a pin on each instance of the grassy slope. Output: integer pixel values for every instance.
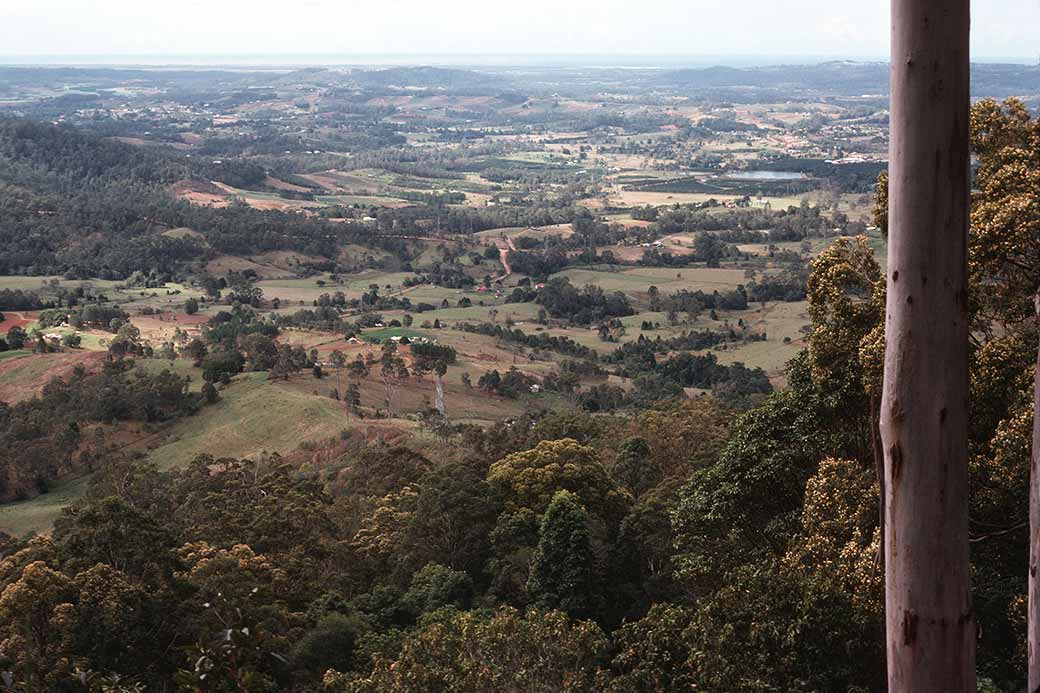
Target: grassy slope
(38, 514)
(252, 416)
(666, 279)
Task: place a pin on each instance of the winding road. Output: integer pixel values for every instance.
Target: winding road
(504, 246)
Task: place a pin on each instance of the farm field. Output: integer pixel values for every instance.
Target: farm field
(640, 198)
(638, 280)
(253, 416)
(362, 200)
(26, 283)
(37, 515)
(223, 264)
(514, 232)
(166, 296)
(500, 311)
(180, 367)
(308, 290)
(23, 376)
(263, 200)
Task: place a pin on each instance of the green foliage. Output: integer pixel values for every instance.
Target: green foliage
(530, 479)
(209, 393)
(512, 384)
(241, 621)
(331, 644)
(584, 306)
(534, 653)
(259, 503)
(879, 213)
(114, 533)
(771, 629)
(435, 587)
(563, 575)
(453, 519)
(653, 653)
(221, 365)
(35, 613)
(643, 556)
(16, 337)
(1004, 248)
(634, 468)
(847, 304)
(120, 625)
(746, 505)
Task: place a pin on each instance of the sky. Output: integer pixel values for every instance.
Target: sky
(121, 29)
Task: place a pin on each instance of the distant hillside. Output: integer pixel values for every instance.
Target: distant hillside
(82, 205)
(429, 78)
(111, 78)
(847, 78)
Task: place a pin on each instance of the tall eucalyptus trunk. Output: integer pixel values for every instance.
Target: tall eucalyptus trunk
(1034, 530)
(924, 410)
(439, 398)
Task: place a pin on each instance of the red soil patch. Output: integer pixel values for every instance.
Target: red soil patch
(205, 199)
(579, 106)
(162, 326)
(282, 185)
(171, 318)
(322, 180)
(226, 263)
(633, 253)
(200, 193)
(195, 186)
(278, 205)
(17, 319)
(349, 350)
(55, 365)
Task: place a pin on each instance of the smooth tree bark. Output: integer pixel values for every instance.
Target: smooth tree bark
(1034, 532)
(924, 411)
(439, 393)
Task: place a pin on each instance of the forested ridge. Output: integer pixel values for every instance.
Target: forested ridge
(58, 432)
(79, 204)
(82, 205)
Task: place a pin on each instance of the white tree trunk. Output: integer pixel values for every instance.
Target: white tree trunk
(439, 398)
(1034, 533)
(388, 390)
(924, 412)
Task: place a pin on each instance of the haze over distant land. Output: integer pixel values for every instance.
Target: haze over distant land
(477, 61)
(610, 32)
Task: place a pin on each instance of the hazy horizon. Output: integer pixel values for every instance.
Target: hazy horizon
(315, 31)
(474, 61)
